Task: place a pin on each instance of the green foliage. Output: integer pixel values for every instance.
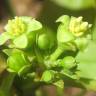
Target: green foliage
(75, 4)
(63, 34)
(17, 62)
(39, 57)
(87, 62)
(19, 29)
(3, 38)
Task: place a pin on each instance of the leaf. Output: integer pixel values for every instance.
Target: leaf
(64, 35)
(63, 19)
(87, 62)
(21, 41)
(34, 25)
(3, 38)
(89, 84)
(17, 62)
(7, 51)
(75, 4)
(26, 18)
(59, 83)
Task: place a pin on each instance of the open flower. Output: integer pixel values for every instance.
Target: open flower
(16, 26)
(21, 31)
(78, 27)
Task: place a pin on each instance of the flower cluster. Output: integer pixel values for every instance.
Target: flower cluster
(78, 27)
(16, 26)
(39, 54)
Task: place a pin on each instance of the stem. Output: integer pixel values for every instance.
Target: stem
(39, 58)
(38, 55)
(61, 48)
(56, 54)
(6, 85)
(60, 91)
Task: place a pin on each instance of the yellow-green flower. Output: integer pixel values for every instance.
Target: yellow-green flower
(16, 26)
(20, 29)
(78, 27)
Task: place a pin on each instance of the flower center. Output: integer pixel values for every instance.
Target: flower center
(78, 27)
(16, 26)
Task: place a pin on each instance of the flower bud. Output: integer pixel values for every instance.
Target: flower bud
(18, 63)
(43, 41)
(47, 76)
(68, 62)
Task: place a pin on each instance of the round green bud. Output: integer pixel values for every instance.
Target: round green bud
(43, 41)
(81, 43)
(68, 62)
(18, 63)
(47, 76)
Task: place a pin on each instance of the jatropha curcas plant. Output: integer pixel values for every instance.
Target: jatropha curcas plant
(35, 52)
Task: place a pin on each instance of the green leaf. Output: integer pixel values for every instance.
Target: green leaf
(69, 74)
(26, 18)
(3, 38)
(59, 83)
(89, 84)
(63, 19)
(17, 62)
(87, 62)
(34, 25)
(64, 35)
(8, 51)
(75, 4)
(21, 41)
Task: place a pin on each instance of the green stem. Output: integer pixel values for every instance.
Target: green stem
(61, 48)
(60, 91)
(6, 84)
(38, 56)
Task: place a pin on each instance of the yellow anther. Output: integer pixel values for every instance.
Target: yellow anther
(79, 19)
(78, 27)
(16, 26)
